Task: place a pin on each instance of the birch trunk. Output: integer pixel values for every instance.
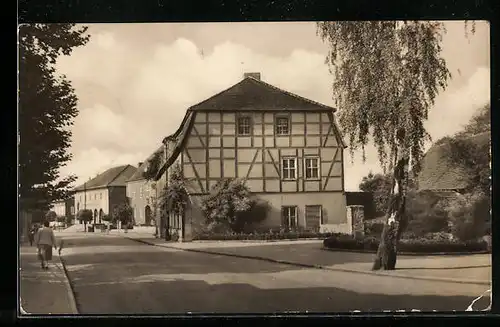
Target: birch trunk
(396, 219)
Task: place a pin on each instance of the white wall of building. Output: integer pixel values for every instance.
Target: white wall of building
(93, 200)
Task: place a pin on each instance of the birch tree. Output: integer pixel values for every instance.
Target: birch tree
(386, 76)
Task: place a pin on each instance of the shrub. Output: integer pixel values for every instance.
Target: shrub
(426, 213)
(260, 236)
(469, 216)
(61, 219)
(123, 213)
(374, 227)
(230, 203)
(419, 245)
(69, 220)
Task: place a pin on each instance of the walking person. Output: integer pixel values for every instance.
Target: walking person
(45, 240)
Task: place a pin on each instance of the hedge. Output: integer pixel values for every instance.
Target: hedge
(421, 245)
(261, 236)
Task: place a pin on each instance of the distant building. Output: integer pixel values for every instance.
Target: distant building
(102, 193)
(64, 208)
(439, 174)
(141, 193)
(59, 207)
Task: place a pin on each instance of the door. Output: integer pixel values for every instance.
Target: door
(148, 215)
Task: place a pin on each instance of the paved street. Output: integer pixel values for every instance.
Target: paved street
(113, 275)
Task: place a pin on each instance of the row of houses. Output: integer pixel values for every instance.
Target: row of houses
(287, 149)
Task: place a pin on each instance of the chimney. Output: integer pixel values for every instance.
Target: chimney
(139, 164)
(253, 75)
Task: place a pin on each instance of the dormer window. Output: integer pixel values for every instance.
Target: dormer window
(282, 125)
(244, 125)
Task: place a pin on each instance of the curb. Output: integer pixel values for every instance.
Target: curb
(410, 253)
(69, 288)
(440, 279)
(263, 241)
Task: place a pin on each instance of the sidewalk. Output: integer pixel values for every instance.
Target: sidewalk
(44, 291)
(468, 269)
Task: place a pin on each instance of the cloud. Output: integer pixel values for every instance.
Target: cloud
(133, 93)
(89, 162)
(457, 106)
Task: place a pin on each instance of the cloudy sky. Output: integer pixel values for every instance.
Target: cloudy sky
(135, 81)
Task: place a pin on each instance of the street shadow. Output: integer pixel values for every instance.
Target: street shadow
(310, 253)
(444, 268)
(201, 297)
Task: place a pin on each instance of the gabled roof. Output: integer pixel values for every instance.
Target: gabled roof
(439, 173)
(254, 94)
(115, 176)
(138, 175)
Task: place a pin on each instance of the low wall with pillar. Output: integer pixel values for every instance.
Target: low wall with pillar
(354, 225)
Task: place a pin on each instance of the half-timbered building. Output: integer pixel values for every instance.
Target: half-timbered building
(288, 150)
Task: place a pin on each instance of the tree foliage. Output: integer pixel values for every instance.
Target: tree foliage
(231, 204)
(474, 159)
(379, 185)
(84, 215)
(47, 108)
(153, 165)
(386, 76)
(123, 213)
(469, 215)
(479, 123)
(174, 196)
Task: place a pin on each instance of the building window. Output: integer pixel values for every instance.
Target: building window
(289, 216)
(289, 168)
(243, 125)
(314, 216)
(282, 126)
(311, 168)
(72, 210)
(100, 196)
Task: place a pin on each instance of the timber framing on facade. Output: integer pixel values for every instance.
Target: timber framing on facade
(276, 141)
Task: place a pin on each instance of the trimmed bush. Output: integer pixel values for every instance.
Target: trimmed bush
(260, 236)
(418, 245)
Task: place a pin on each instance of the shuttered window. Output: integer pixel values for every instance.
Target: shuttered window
(314, 217)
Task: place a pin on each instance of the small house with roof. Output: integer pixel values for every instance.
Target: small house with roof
(287, 149)
(103, 192)
(141, 192)
(440, 175)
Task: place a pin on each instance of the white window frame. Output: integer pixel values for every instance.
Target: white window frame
(318, 161)
(288, 218)
(295, 168)
(248, 124)
(279, 127)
